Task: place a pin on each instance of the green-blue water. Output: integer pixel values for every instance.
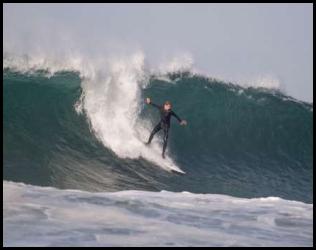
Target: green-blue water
(245, 142)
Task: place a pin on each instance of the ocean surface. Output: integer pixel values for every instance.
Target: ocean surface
(77, 172)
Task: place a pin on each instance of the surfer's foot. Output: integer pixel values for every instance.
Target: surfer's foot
(163, 156)
(147, 143)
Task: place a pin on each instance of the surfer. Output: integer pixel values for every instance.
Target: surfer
(164, 123)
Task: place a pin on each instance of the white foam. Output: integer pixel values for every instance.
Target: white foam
(261, 81)
(37, 216)
(112, 102)
(178, 63)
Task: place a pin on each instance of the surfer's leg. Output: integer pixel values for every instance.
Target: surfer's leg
(155, 130)
(165, 140)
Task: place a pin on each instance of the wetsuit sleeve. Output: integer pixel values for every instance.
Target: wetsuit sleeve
(155, 105)
(175, 115)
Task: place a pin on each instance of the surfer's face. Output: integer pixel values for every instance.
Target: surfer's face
(167, 106)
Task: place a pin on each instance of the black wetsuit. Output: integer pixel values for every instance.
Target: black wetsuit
(164, 124)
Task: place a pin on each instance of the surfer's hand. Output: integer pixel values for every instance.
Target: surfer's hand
(148, 101)
(183, 122)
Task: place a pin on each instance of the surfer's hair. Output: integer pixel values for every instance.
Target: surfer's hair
(167, 103)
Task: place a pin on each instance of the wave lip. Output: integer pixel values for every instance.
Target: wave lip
(52, 217)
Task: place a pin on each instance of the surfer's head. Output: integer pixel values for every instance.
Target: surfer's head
(167, 105)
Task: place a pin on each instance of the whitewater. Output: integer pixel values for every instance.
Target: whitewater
(78, 173)
(35, 216)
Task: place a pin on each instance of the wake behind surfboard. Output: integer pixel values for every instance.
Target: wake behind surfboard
(171, 167)
(166, 163)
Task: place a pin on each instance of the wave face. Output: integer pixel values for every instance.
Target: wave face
(53, 217)
(73, 131)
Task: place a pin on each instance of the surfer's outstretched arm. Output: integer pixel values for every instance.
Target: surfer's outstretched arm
(176, 116)
(148, 101)
(182, 122)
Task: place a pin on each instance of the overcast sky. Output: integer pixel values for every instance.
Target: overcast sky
(234, 41)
